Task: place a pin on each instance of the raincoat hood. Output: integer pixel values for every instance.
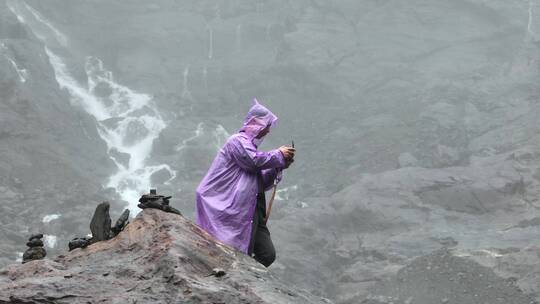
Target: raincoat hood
(258, 118)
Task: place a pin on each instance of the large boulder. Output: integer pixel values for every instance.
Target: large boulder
(159, 258)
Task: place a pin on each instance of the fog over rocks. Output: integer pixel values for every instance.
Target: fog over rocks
(416, 125)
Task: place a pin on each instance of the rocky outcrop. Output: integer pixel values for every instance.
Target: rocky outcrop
(158, 258)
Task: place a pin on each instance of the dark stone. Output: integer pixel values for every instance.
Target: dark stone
(34, 253)
(122, 221)
(150, 204)
(35, 243)
(170, 209)
(101, 223)
(155, 201)
(79, 243)
(218, 272)
(36, 236)
(152, 197)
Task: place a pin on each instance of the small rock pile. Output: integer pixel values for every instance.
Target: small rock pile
(100, 226)
(36, 250)
(155, 201)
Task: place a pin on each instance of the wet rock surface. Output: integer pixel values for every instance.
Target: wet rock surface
(159, 258)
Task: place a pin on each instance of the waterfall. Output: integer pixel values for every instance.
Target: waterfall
(60, 37)
(40, 26)
(196, 134)
(128, 121)
(219, 136)
(186, 93)
(205, 78)
(531, 33)
(238, 36)
(210, 43)
(22, 73)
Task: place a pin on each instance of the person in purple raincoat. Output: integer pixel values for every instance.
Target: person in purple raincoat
(230, 200)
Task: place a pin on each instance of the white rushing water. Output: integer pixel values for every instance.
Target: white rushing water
(217, 136)
(238, 37)
(186, 93)
(50, 217)
(50, 241)
(128, 121)
(532, 22)
(60, 37)
(19, 256)
(40, 26)
(210, 42)
(205, 78)
(22, 73)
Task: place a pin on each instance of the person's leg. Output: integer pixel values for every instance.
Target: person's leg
(263, 248)
(254, 228)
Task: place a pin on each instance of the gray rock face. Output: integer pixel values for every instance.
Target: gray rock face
(441, 277)
(159, 258)
(47, 146)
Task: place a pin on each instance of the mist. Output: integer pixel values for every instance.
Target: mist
(417, 174)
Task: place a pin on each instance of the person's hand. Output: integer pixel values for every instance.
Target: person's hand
(288, 152)
(288, 163)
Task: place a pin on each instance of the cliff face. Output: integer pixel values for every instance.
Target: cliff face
(159, 258)
(50, 152)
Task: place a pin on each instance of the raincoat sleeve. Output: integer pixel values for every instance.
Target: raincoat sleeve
(269, 176)
(245, 155)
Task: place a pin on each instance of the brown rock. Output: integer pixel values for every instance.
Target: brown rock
(158, 258)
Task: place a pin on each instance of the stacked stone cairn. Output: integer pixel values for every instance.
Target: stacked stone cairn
(35, 250)
(155, 201)
(100, 226)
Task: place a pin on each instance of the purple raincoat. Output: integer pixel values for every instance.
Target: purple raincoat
(227, 195)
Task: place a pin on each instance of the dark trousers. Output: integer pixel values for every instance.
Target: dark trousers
(261, 247)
